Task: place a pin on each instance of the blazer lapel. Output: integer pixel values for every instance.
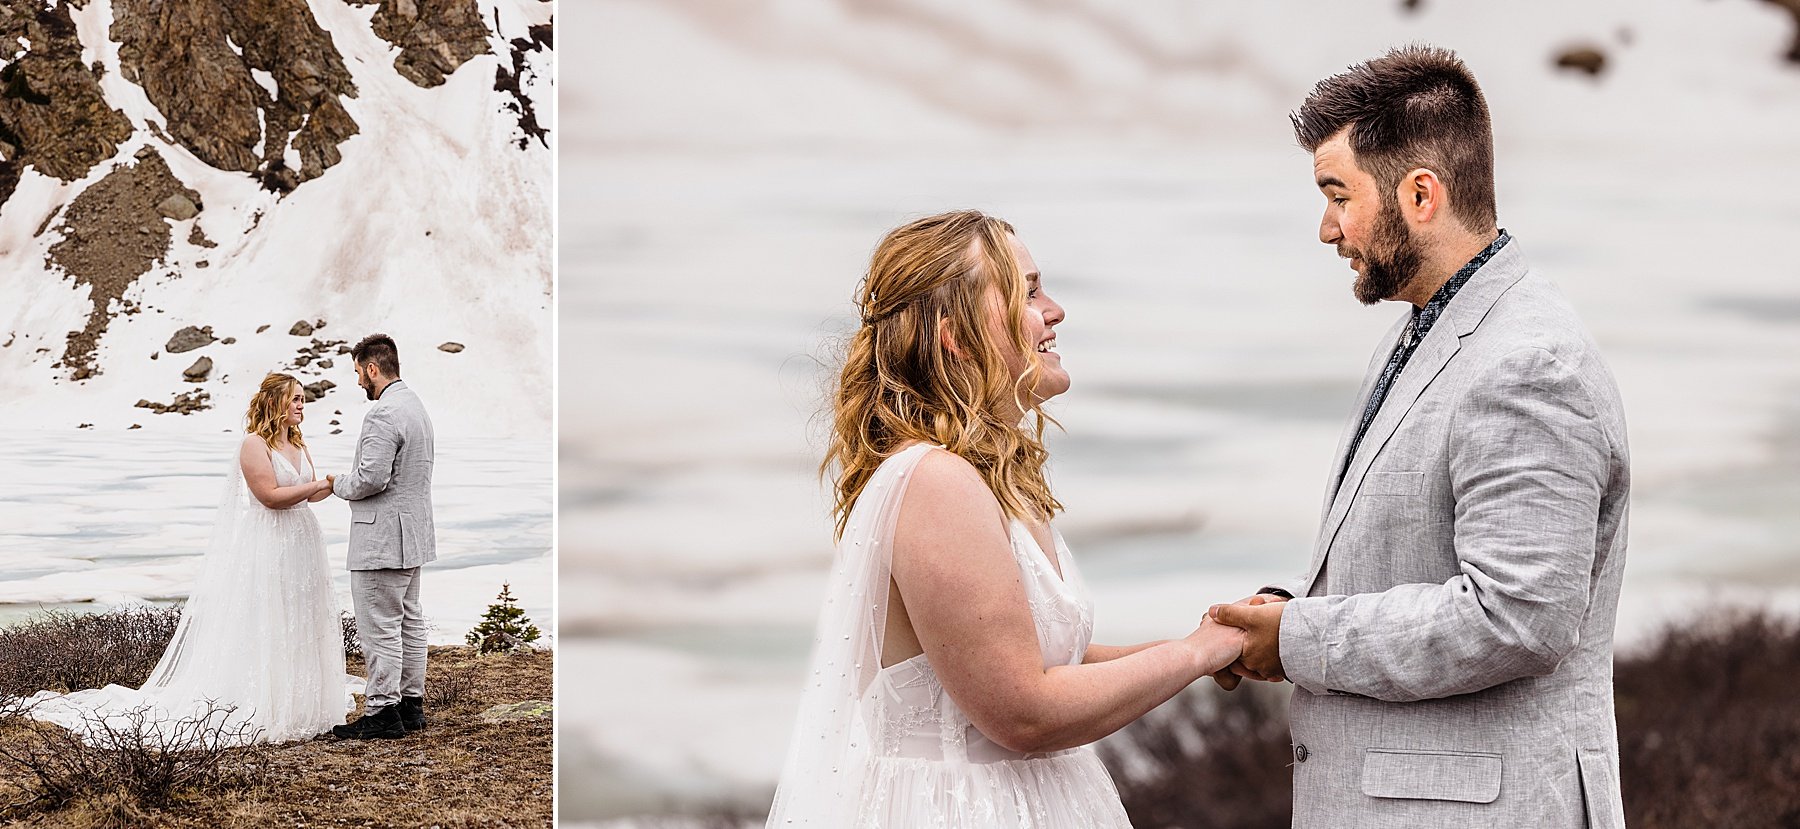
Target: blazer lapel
(1376, 364)
(1463, 315)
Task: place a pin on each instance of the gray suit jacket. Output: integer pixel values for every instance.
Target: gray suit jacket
(1452, 642)
(390, 488)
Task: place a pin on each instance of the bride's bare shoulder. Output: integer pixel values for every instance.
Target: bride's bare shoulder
(252, 449)
(946, 495)
(942, 471)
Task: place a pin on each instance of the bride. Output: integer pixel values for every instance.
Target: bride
(259, 644)
(952, 682)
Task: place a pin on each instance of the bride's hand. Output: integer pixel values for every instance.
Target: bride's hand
(1215, 646)
(330, 482)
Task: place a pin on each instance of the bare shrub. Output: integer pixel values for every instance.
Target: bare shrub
(1207, 759)
(451, 687)
(127, 761)
(1709, 725)
(68, 651)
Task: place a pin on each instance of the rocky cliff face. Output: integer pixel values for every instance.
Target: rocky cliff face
(53, 116)
(257, 88)
(435, 36)
(199, 63)
(112, 234)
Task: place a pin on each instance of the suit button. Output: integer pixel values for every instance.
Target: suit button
(1300, 753)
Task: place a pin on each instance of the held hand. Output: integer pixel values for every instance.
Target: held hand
(330, 483)
(1261, 624)
(1216, 645)
(1229, 676)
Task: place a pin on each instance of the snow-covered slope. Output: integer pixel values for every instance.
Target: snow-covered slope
(435, 227)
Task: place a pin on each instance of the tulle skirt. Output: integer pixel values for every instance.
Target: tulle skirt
(259, 635)
(1065, 790)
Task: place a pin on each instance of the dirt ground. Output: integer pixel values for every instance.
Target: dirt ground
(459, 772)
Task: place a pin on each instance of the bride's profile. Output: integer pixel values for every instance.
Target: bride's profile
(258, 655)
(952, 681)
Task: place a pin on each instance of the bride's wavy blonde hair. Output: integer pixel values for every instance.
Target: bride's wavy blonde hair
(266, 417)
(900, 383)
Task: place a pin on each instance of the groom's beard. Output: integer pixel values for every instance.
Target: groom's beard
(1390, 263)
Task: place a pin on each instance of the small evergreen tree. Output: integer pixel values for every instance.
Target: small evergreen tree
(504, 627)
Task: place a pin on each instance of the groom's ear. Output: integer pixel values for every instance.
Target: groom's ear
(1422, 195)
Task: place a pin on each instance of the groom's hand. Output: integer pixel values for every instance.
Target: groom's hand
(1231, 675)
(1261, 623)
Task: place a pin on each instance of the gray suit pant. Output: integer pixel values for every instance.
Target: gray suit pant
(391, 629)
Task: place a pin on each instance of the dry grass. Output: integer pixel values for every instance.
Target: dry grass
(459, 772)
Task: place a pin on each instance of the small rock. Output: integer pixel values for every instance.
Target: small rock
(301, 329)
(337, 431)
(155, 354)
(134, 426)
(531, 709)
(202, 264)
(190, 338)
(318, 325)
(261, 328)
(332, 423)
(228, 341)
(314, 391)
(85, 426)
(186, 402)
(453, 348)
(197, 238)
(178, 207)
(198, 371)
(343, 349)
(83, 373)
(1582, 59)
(324, 364)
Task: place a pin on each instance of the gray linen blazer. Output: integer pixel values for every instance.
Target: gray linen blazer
(1452, 642)
(389, 489)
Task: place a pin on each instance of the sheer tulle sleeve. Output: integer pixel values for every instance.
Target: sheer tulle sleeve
(831, 746)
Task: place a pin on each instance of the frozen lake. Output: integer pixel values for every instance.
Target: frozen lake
(90, 519)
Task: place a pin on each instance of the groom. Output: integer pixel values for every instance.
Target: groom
(391, 535)
(1452, 642)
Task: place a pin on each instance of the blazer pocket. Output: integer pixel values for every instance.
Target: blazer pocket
(1599, 792)
(1465, 776)
(362, 518)
(1393, 483)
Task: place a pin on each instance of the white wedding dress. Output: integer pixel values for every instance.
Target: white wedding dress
(887, 748)
(259, 635)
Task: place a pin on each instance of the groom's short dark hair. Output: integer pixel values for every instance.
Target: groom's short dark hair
(380, 350)
(1416, 106)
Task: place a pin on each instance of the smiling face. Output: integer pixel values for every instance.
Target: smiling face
(1364, 223)
(1042, 315)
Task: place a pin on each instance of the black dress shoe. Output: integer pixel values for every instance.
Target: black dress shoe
(381, 725)
(412, 713)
